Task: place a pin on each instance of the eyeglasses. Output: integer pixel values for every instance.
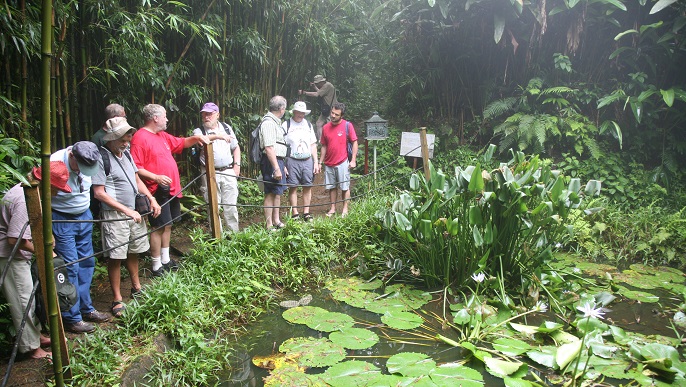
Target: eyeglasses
(79, 181)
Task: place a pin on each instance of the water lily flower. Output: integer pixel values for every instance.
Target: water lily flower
(479, 277)
(589, 310)
(541, 307)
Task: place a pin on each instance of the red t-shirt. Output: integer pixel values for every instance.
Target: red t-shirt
(153, 152)
(336, 142)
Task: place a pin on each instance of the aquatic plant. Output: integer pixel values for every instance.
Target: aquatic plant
(504, 223)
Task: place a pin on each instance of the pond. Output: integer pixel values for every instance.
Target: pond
(640, 322)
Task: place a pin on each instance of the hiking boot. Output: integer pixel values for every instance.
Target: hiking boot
(97, 317)
(80, 327)
(171, 265)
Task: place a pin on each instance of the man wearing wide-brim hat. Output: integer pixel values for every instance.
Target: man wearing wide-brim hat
(326, 93)
(115, 186)
(302, 163)
(74, 239)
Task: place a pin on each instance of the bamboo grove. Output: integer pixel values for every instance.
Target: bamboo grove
(580, 76)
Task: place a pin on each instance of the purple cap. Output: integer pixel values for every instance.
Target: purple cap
(210, 107)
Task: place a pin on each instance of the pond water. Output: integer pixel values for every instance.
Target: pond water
(264, 337)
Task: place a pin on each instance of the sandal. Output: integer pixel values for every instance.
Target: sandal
(330, 214)
(280, 225)
(118, 308)
(135, 293)
(307, 217)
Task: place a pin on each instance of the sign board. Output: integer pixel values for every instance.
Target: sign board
(377, 131)
(410, 144)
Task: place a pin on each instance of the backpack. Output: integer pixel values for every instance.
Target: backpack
(196, 150)
(348, 142)
(66, 291)
(95, 203)
(254, 144)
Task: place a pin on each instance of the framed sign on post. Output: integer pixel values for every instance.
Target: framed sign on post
(377, 129)
(411, 144)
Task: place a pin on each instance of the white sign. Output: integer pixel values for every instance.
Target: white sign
(410, 144)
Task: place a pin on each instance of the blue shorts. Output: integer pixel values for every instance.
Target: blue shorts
(300, 172)
(270, 184)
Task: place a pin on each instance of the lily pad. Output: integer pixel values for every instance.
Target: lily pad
(410, 364)
(638, 295)
(383, 305)
(351, 373)
(566, 353)
(292, 376)
(455, 374)
(390, 380)
(353, 283)
(354, 338)
(545, 355)
(501, 368)
(612, 368)
(330, 321)
(402, 320)
(511, 347)
(311, 352)
(302, 314)
(353, 297)
(412, 298)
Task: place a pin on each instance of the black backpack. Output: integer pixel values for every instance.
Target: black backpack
(95, 203)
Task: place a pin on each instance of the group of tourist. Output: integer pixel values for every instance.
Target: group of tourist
(121, 163)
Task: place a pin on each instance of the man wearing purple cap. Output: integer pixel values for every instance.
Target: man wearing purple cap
(74, 241)
(227, 163)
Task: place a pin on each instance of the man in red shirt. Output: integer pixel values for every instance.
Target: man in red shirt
(334, 154)
(152, 148)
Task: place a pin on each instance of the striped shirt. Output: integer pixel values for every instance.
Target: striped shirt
(272, 134)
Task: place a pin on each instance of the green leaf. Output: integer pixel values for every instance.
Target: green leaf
(476, 182)
(566, 353)
(511, 347)
(311, 352)
(351, 373)
(475, 217)
(330, 321)
(402, 320)
(544, 356)
(660, 5)
(498, 27)
(619, 36)
(455, 374)
(668, 96)
(501, 368)
(354, 338)
(616, 3)
(410, 364)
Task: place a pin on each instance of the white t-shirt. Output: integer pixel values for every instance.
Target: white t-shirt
(300, 137)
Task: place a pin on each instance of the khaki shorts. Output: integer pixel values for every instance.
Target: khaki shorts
(119, 232)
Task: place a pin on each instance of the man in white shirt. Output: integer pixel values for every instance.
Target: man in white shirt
(302, 163)
(227, 163)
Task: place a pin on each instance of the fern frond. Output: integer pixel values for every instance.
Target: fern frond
(496, 108)
(593, 147)
(557, 90)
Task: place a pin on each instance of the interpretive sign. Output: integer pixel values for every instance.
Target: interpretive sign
(410, 144)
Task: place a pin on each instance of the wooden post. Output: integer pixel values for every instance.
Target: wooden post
(425, 152)
(366, 156)
(212, 201)
(46, 276)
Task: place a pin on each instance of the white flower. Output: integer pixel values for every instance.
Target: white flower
(479, 277)
(558, 245)
(589, 310)
(576, 270)
(541, 307)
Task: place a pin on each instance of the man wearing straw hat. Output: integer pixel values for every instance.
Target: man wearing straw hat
(124, 229)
